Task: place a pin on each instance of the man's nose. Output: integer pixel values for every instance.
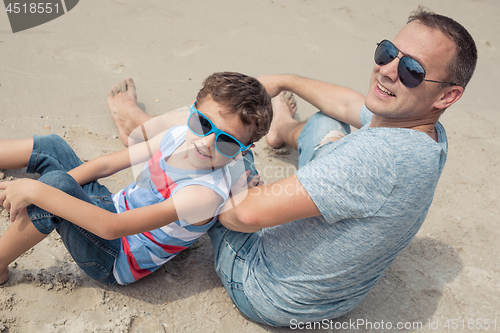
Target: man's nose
(391, 69)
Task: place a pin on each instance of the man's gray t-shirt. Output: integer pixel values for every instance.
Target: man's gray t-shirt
(373, 189)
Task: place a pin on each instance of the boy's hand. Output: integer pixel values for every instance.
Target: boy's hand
(242, 185)
(15, 195)
(240, 189)
(255, 181)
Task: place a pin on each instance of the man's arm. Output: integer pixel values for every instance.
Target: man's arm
(338, 102)
(269, 205)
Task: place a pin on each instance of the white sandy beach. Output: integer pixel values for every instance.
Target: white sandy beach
(54, 79)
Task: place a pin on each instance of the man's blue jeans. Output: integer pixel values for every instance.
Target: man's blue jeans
(231, 247)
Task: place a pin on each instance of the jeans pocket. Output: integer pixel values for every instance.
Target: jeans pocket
(97, 272)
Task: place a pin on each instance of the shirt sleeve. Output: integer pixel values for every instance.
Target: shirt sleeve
(352, 179)
(365, 115)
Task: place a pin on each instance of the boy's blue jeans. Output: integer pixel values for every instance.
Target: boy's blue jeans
(231, 247)
(52, 157)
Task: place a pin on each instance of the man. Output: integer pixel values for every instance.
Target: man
(312, 245)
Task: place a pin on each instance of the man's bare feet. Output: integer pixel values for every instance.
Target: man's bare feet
(284, 109)
(122, 103)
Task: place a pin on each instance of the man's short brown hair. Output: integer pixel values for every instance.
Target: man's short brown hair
(461, 67)
(243, 95)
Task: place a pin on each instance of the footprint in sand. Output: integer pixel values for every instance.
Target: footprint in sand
(191, 47)
(89, 52)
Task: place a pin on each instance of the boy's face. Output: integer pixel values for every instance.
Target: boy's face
(202, 153)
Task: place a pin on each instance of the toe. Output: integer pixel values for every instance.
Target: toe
(291, 101)
(123, 86)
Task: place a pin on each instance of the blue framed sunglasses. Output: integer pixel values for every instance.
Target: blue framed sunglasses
(225, 143)
(410, 72)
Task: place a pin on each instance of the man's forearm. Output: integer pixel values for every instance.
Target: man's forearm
(229, 220)
(268, 205)
(335, 101)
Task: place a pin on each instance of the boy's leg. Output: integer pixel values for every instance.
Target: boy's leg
(94, 255)
(15, 154)
(51, 153)
(52, 157)
(41, 155)
(133, 124)
(19, 238)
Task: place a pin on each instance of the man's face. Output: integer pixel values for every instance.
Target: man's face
(388, 97)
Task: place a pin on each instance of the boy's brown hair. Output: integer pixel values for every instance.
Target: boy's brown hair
(243, 95)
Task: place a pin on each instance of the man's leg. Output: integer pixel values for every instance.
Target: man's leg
(231, 249)
(284, 128)
(308, 137)
(133, 124)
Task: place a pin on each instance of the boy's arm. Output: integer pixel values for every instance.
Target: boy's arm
(107, 165)
(20, 193)
(269, 205)
(100, 167)
(338, 102)
(196, 204)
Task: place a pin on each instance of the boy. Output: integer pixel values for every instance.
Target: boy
(174, 201)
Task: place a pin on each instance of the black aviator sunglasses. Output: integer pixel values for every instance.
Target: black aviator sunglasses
(410, 72)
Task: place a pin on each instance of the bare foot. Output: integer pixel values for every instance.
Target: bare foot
(284, 109)
(122, 103)
(4, 276)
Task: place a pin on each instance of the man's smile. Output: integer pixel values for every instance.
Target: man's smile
(385, 90)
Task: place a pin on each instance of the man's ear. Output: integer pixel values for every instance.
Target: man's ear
(450, 96)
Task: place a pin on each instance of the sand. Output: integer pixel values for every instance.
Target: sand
(54, 79)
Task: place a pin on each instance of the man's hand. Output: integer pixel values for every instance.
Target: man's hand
(15, 195)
